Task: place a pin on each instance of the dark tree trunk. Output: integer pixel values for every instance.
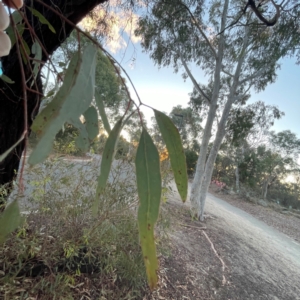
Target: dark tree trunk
(11, 95)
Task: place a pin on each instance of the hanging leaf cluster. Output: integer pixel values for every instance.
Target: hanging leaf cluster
(74, 99)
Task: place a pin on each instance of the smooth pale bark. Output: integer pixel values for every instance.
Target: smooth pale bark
(200, 169)
(212, 158)
(195, 203)
(204, 185)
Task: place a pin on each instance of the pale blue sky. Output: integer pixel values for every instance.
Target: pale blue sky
(163, 89)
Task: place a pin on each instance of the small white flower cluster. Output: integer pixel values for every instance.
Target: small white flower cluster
(5, 43)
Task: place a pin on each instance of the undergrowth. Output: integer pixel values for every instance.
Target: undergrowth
(62, 251)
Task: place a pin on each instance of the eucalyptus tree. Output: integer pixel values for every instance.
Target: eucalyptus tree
(235, 49)
(246, 129)
(283, 153)
(188, 123)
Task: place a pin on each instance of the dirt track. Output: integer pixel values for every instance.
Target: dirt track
(263, 256)
(261, 263)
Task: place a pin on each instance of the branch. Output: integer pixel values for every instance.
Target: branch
(195, 83)
(217, 255)
(271, 22)
(232, 24)
(222, 38)
(200, 30)
(226, 72)
(251, 76)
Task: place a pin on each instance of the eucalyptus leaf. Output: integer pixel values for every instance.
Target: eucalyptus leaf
(91, 122)
(82, 141)
(41, 18)
(36, 50)
(25, 51)
(11, 33)
(149, 190)
(100, 105)
(173, 142)
(6, 79)
(17, 16)
(70, 102)
(106, 161)
(2, 156)
(10, 219)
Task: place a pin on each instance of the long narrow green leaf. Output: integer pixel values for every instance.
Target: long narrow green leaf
(106, 161)
(41, 18)
(18, 18)
(91, 122)
(2, 156)
(6, 79)
(101, 108)
(36, 50)
(173, 142)
(45, 121)
(149, 190)
(10, 219)
(72, 100)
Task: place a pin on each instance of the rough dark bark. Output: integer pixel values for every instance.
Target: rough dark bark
(11, 95)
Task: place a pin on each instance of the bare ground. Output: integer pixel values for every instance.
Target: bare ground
(277, 218)
(260, 263)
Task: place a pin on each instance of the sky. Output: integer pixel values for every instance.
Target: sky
(163, 89)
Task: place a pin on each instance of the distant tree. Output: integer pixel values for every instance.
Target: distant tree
(280, 159)
(246, 129)
(188, 123)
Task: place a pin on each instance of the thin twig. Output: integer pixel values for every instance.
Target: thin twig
(190, 226)
(219, 257)
(200, 29)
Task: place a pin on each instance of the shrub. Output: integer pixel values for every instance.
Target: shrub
(65, 141)
(63, 251)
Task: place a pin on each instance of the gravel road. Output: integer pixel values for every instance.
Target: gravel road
(264, 237)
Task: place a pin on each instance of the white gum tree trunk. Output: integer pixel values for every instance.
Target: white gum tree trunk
(200, 169)
(206, 178)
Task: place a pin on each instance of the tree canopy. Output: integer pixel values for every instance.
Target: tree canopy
(237, 52)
